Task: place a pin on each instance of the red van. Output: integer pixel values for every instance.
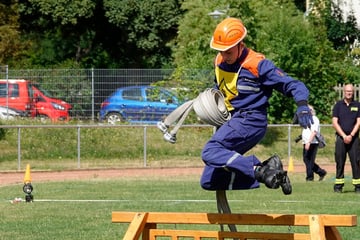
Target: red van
(29, 98)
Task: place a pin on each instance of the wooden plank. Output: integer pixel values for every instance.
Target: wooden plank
(240, 219)
(198, 234)
(339, 220)
(136, 226)
(122, 217)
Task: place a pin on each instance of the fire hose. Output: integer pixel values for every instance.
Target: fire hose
(210, 107)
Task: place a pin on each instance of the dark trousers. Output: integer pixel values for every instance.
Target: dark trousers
(341, 149)
(309, 160)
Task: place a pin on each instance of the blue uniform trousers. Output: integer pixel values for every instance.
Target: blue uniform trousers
(226, 168)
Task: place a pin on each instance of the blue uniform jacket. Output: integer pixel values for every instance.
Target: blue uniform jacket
(256, 81)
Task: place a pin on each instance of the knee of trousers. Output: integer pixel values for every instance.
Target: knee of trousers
(220, 179)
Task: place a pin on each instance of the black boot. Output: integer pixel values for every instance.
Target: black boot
(272, 174)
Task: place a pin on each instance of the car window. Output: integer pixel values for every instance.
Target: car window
(13, 90)
(159, 95)
(153, 95)
(3, 90)
(132, 94)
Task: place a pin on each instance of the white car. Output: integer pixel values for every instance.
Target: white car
(8, 113)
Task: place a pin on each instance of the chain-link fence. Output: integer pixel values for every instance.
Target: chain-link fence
(86, 89)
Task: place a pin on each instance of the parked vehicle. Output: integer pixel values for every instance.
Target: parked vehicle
(28, 98)
(8, 113)
(48, 107)
(138, 104)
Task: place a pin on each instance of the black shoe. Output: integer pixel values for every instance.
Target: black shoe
(272, 174)
(357, 189)
(337, 190)
(273, 162)
(322, 176)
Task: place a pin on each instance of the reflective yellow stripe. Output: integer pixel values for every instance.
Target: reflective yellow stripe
(339, 181)
(356, 181)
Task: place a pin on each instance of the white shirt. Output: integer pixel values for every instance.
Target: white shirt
(306, 133)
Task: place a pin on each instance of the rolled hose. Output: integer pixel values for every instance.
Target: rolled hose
(210, 107)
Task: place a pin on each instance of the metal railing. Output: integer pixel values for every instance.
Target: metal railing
(79, 128)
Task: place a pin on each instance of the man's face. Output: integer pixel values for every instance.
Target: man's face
(231, 54)
(348, 92)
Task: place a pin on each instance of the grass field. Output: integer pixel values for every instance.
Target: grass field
(82, 209)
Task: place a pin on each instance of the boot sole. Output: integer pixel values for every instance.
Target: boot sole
(284, 182)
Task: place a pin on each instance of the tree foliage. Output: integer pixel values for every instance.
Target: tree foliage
(11, 45)
(339, 31)
(109, 33)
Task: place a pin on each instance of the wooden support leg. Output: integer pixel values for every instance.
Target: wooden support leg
(316, 226)
(136, 226)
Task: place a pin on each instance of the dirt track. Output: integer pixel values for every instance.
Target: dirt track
(10, 178)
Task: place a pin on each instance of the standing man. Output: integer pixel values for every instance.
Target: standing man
(246, 79)
(346, 121)
(310, 148)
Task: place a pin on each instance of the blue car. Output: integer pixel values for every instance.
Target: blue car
(138, 104)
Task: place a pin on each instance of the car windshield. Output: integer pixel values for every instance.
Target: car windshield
(45, 92)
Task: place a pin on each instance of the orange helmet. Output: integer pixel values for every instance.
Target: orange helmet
(227, 34)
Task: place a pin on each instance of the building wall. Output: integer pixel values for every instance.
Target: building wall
(350, 5)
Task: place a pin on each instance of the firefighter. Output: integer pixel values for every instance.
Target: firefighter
(246, 79)
(346, 121)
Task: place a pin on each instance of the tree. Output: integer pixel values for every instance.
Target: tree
(95, 33)
(11, 46)
(146, 27)
(341, 33)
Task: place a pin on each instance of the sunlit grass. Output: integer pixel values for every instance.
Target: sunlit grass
(82, 209)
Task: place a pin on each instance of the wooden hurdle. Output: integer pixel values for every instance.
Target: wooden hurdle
(145, 225)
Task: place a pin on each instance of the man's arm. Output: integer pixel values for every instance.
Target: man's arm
(356, 127)
(338, 129)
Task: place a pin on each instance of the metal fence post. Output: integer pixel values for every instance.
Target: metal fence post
(145, 136)
(78, 146)
(289, 141)
(92, 96)
(19, 148)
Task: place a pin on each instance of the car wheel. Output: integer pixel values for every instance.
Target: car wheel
(43, 118)
(114, 118)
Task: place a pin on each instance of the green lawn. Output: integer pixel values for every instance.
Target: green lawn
(82, 209)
